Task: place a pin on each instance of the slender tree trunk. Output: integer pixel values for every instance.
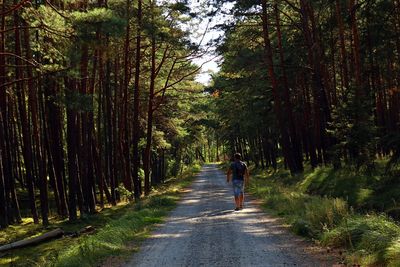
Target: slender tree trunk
(3, 200)
(38, 147)
(109, 134)
(275, 91)
(295, 141)
(56, 137)
(125, 129)
(356, 50)
(26, 132)
(136, 106)
(86, 158)
(72, 143)
(149, 135)
(321, 106)
(4, 165)
(345, 72)
(100, 128)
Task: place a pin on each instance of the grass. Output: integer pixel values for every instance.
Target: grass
(376, 189)
(119, 231)
(373, 239)
(319, 205)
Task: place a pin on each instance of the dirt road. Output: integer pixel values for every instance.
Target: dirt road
(205, 231)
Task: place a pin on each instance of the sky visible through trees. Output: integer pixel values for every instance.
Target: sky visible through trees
(207, 33)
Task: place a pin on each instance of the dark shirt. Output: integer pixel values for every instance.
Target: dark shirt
(238, 167)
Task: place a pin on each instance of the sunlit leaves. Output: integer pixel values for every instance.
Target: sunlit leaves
(95, 20)
(52, 37)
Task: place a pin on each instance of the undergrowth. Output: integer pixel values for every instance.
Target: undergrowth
(315, 207)
(119, 231)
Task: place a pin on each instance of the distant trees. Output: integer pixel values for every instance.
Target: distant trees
(317, 82)
(88, 96)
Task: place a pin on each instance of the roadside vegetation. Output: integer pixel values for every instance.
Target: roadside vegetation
(118, 231)
(337, 209)
(308, 93)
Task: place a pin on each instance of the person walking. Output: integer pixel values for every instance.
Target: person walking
(239, 174)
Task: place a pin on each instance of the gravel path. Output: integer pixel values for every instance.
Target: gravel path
(205, 231)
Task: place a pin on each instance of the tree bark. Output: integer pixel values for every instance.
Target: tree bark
(125, 126)
(38, 147)
(295, 141)
(149, 135)
(275, 91)
(136, 107)
(25, 128)
(72, 143)
(345, 72)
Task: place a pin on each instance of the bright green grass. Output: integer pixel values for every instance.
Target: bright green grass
(119, 231)
(370, 239)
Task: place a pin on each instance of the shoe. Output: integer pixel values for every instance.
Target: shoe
(237, 209)
(241, 207)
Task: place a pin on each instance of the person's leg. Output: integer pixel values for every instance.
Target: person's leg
(241, 198)
(236, 193)
(237, 201)
(241, 194)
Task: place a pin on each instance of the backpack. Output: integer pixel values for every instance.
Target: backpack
(240, 169)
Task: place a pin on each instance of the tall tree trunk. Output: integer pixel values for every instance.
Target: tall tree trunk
(345, 72)
(321, 106)
(38, 147)
(356, 50)
(72, 143)
(275, 91)
(109, 133)
(86, 159)
(4, 159)
(149, 135)
(25, 127)
(295, 141)
(136, 107)
(56, 137)
(125, 124)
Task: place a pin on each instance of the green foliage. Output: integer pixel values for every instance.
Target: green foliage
(352, 185)
(116, 229)
(392, 142)
(101, 20)
(371, 239)
(53, 38)
(77, 101)
(370, 236)
(113, 237)
(123, 193)
(354, 132)
(180, 6)
(392, 253)
(159, 140)
(364, 190)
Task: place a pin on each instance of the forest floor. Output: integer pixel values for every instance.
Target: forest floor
(118, 231)
(337, 209)
(205, 231)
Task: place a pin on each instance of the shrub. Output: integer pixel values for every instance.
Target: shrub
(372, 240)
(392, 253)
(325, 213)
(373, 235)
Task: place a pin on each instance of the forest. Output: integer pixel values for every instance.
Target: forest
(318, 82)
(315, 83)
(99, 100)
(308, 91)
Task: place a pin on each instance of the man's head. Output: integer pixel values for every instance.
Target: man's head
(237, 156)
